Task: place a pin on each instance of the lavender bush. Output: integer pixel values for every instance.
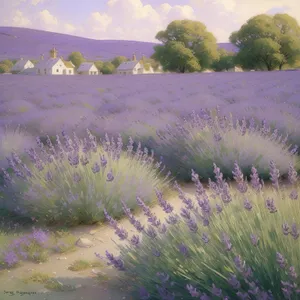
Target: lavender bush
(227, 243)
(205, 138)
(72, 183)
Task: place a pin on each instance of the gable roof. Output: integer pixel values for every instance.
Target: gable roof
(46, 64)
(19, 65)
(127, 65)
(68, 64)
(86, 66)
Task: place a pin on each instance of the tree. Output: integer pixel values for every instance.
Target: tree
(7, 62)
(118, 60)
(174, 56)
(34, 61)
(4, 68)
(99, 64)
(150, 62)
(76, 58)
(268, 42)
(108, 68)
(200, 45)
(226, 61)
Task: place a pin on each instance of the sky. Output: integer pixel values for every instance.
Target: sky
(137, 20)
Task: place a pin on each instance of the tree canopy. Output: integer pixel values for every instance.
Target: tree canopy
(76, 58)
(4, 68)
(268, 42)
(7, 62)
(187, 47)
(226, 61)
(108, 68)
(118, 60)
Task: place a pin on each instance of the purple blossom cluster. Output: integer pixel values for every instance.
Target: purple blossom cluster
(247, 267)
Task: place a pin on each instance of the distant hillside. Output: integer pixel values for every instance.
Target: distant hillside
(18, 42)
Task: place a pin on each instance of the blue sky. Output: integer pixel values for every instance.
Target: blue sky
(136, 19)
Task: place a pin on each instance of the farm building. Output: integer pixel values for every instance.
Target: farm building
(88, 68)
(130, 67)
(22, 65)
(54, 65)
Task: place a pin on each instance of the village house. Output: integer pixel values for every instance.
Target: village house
(88, 68)
(235, 69)
(130, 67)
(21, 65)
(54, 65)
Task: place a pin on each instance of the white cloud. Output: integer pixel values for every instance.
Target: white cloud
(19, 19)
(47, 18)
(36, 2)
(69, 28)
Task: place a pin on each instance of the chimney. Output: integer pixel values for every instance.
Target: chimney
(134, 57)
(53, 53)
(42, 57)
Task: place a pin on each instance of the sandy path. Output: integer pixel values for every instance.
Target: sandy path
(90, 288)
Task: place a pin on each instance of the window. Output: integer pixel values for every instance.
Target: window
(70, 71)
(57, 70)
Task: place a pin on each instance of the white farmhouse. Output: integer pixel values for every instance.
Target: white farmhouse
(22, 65)
(54, 65)
(130, 67)
(236, 69)
(88, 68)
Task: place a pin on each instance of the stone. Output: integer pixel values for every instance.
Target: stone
(84, 243)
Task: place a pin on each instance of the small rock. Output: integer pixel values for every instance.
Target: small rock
(92, 232)
(54, 273)
(40, 263)
(84, 243)
(78, 286)
(61, 258)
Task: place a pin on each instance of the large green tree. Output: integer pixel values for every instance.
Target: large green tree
(267, 42)
(76, 58)
(118, 60)
(226, 61)
(4, 68)
(7, 62)
(108, 68)
(188, 41)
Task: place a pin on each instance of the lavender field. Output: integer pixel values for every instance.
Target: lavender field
(230, 139)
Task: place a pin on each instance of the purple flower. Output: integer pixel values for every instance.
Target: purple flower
(232, 280)
(40, 236)
(226, 241)
(167, 208)
(285, 228)
(247, 204)
(150, 231)
(293, 195)
(271, 206)
(205, 238)
(10, 258)
(76, 177)
(155, 252)
(193, 291)
(185, 213)
(280, 260)
(96, 168)
(237, 173)
(274, 172)
(116, 262)
(255, 181)
(49, 176)
(216, 291)
(109, 176)
(292, 174)
(292, 273)
(183, 249)
(144, 295)
(294, 231)
(254, 239)
(135, 240)
(103, 161)
(172, 219)
(192, 225)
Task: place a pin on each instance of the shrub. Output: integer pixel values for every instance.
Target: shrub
(79, 179)
(204, 139)
(234, 243)
(4, 68)
(8, 63)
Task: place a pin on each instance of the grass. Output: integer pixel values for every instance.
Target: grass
(80, 265)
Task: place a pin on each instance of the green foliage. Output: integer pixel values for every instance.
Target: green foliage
(4, 68)
(267, 42)
(99, 65)
(174, 56)
(198, 146)
(118, 60)
(76, 58)
(7, 62)
(192, 43)
(211, 260)
(225, 62)
(78, 195)
(108, 68)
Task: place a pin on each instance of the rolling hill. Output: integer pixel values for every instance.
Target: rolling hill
(18, 42)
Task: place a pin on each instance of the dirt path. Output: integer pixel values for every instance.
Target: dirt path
(86, 283)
